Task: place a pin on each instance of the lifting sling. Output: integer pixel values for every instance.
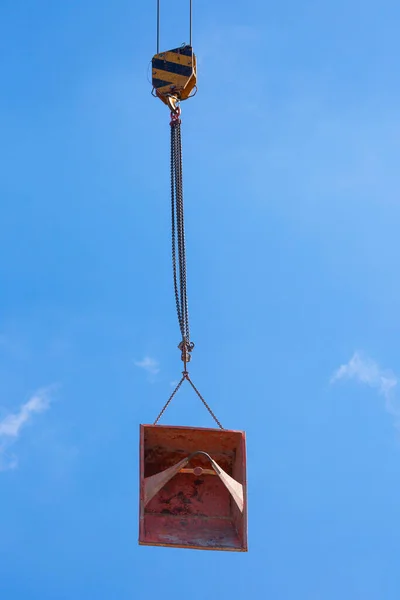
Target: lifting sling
(174, 80)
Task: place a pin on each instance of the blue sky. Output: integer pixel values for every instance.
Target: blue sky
(291, 154)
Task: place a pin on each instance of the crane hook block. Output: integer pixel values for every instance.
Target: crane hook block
(174, 74)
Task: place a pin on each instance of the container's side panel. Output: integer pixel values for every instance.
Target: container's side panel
(185, 494)
(141, 483)
(191, 532)
(158, 458)
(191, 438)
(239, 470)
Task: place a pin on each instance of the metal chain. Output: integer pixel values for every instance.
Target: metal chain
(204, 402)
(181, 232)
(173, 217)
(178, 237)
(183, 244)
(178, 244)
(185, 375)
(178, 206)
(169, 400)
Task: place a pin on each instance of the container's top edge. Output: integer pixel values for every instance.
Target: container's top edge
(186, 427)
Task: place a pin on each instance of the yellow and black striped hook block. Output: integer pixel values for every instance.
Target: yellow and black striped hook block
(174, 75)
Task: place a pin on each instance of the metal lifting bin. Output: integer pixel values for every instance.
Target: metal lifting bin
(193, 488)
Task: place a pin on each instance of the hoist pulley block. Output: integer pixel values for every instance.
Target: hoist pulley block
(174, 74)
(193, 488)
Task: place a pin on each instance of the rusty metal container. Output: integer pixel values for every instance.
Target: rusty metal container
(193, 488)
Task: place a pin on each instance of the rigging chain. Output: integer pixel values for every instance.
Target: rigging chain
(178, 237)
(185, 375)
(179, 252)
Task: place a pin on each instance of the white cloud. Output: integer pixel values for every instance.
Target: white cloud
(365, 370)
(150, 365)
(12, 424)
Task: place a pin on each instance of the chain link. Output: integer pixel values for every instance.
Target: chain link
(178, 237)
(173, 227)
(185, 375)
(204, 402)
(181, 225)
(169, 400)
(179, 255)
